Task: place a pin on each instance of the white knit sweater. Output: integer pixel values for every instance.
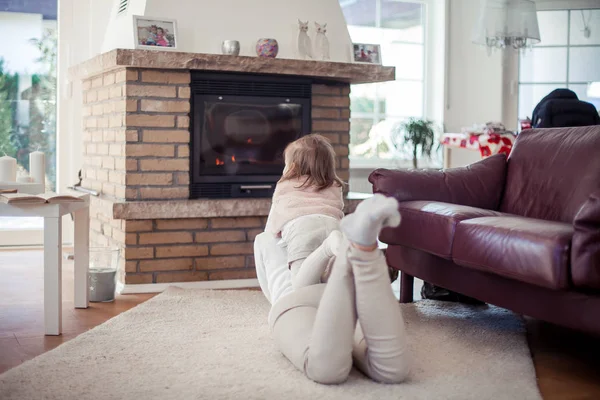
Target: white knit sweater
(290, 201)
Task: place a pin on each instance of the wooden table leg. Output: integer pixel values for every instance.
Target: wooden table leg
(52, 276)
(407, 284)
(82, 256)
(447, 161)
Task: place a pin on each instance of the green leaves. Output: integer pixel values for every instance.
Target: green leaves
(420, 133)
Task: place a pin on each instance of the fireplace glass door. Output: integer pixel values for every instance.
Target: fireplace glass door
(241, 125)
(243, 135)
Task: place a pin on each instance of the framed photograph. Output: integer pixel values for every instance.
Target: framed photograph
(366, 53)
(154, 33)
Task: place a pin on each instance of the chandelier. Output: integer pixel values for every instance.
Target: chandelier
(507, 24)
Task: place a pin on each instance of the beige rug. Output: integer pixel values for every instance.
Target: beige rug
(191, 344)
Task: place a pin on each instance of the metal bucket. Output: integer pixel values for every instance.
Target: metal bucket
(102, 274)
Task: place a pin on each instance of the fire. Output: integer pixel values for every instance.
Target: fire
(249, 141)
(219, 162)
(232, 158)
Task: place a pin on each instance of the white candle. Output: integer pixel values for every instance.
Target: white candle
(37, 167)
(8, 169)
(24, 179)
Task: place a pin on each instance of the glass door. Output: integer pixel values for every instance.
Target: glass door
(28, 100)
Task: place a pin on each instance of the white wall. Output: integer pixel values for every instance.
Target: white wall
(203, 24)
(474, 79)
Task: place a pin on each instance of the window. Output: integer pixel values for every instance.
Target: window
(399, 27)
(28, 98)
(563, 59)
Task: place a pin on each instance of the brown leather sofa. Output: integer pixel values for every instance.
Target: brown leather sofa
(522, 233)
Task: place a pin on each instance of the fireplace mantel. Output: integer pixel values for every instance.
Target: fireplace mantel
(322, 70)
(207, 208)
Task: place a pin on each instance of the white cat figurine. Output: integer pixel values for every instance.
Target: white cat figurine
(321, 43)
(304, 43)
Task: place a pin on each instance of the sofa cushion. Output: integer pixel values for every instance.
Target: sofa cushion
(552, 172)
(430, 225)
(526, 249)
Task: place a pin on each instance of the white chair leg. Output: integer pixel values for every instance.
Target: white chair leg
(52, 276)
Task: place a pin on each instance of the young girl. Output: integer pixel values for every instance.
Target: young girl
(160, 38)
(323, 329)
(307, 208)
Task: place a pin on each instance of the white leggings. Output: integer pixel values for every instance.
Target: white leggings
(316, 328)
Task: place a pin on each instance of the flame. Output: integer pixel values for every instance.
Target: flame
(232, 158)
(249, 141)
(219, 162)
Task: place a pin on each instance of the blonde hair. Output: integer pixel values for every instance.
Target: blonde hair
(313, 157)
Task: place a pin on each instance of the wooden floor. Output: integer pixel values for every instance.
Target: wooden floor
(567, 363)
(22, 311)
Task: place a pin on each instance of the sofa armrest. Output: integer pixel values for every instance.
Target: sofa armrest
(585, 247)
(478, 185)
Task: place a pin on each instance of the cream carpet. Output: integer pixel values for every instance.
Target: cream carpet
(193, 344)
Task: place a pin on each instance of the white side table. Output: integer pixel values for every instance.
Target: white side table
(52, 214)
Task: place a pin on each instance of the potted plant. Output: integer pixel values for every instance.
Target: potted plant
(417, 133)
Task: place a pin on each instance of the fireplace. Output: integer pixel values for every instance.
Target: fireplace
(240, 127)
(137, 129)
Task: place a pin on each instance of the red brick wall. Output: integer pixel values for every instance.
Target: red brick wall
(158, 135)
(195, 249)
(104, 133)
(331, 118)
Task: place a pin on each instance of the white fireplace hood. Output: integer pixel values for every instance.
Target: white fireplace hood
(203, 24)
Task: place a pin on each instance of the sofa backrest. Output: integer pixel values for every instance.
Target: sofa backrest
(552, 172)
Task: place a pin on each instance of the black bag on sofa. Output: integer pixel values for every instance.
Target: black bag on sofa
(562, 108)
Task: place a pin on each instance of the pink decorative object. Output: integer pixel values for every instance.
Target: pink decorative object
(267, 48)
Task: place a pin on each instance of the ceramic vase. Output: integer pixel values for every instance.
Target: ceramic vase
(267, 48)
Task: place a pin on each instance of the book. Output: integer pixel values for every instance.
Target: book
(52, 198)
(2, 191)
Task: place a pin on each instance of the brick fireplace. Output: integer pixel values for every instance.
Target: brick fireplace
(136, 124)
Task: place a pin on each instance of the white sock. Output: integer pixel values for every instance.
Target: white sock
(371, 216)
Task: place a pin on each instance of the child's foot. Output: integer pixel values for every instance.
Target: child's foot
(363, 226)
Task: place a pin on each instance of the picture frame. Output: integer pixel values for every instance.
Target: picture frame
(366, 53)
(155, 33)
